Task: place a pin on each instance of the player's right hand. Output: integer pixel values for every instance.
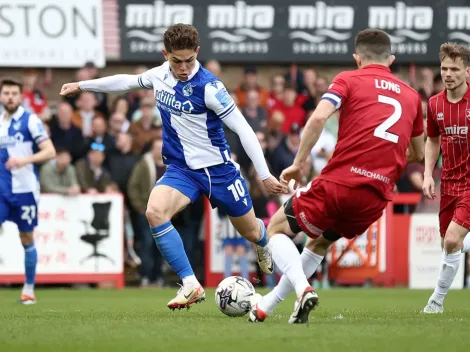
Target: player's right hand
(429, 187)
(293, 172)
(272, 185)
(70, 89)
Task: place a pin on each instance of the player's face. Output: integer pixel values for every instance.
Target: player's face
(10, 96)
(182, 62)
(454, 73)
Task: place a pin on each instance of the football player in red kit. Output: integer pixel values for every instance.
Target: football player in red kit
(448, 119)
(380, 128)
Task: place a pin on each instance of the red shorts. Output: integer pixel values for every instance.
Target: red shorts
(456, 209)
(349, 211)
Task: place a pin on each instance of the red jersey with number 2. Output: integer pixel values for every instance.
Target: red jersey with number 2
(378, 115)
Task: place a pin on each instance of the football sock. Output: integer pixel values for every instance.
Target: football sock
(466, 244)
(243, 267)
(30, 262)
(263, 241)
(287, 258)
(228, 265)
(449, 267)
(171, 247)
(310, 263)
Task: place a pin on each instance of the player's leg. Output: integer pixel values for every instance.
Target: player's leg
(227, 190)
(454, 244)
(24, 214)
(253, 230)
(311, 257)
(172, 193)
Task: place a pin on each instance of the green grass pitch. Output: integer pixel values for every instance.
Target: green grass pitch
(138, 320)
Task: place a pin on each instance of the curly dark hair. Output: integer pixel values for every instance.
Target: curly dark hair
(181, 36)
(454, 51)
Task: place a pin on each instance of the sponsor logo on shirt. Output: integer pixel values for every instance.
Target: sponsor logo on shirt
(223, 97)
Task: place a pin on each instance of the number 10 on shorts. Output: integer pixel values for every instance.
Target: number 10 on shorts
(237, 190)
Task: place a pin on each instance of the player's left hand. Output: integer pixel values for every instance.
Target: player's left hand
(293, 172)
(273, 186)
(15, 163)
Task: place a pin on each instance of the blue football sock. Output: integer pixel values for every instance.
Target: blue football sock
(243, 267)
(30, 261)
(228, 265)
(263, 241)
(171, 247)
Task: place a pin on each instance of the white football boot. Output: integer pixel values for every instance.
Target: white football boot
(187, 296)
(433, 307)
(307, 302)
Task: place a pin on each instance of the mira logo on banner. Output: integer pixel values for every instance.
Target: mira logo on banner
(145, 24)
(320, 29)
(240, 28)
(408, 26)
(458, 22)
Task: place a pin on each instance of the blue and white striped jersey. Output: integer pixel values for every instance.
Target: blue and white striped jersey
(192, 112)
(20, 136)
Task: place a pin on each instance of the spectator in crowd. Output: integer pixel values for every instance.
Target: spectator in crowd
(121, 160)
(250, 81)
(34, 100)
(284, 155)
(83, 117)
(274, 134)
(293, 113)
(135, 96)
(156, 113)
(254, 113)
(120, 105)
(101, 98)
(213, 66)
(81, 74)
(147, 128)
(322, 151)
(277, 90)
(141, 182)
(58, 175)
(100, 135)
(92, 177)
(118, 123)
(64, 134)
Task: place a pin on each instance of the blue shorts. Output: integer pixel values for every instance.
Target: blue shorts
(20, 208)
(222, 184)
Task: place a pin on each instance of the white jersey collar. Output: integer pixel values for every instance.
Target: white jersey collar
(19, 112)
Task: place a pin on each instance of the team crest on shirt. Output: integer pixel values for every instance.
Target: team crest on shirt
(188, 89)
(440, 116)
(467, 113)
(17, 125)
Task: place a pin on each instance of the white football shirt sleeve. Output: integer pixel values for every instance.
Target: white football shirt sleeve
(218, 99)
(238, 124)
(36, 128)
(118, 83)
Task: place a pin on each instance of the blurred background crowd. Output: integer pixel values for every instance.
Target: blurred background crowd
(113, 143)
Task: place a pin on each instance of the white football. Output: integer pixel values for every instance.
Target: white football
(234, 295)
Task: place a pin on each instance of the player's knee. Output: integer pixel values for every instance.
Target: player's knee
(452, 242)
(156, 215)
(26, 238)
(318, 245)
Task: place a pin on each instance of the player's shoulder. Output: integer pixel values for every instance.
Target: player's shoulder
(158, 72)
(207, 79)
(435, 97)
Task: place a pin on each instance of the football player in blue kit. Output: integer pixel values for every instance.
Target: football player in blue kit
(23, 143)
(193, 104)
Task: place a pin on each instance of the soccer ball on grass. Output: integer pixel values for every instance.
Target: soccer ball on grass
(235, 295)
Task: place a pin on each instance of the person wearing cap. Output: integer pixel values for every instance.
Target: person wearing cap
(91, 175)
(250, 81)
